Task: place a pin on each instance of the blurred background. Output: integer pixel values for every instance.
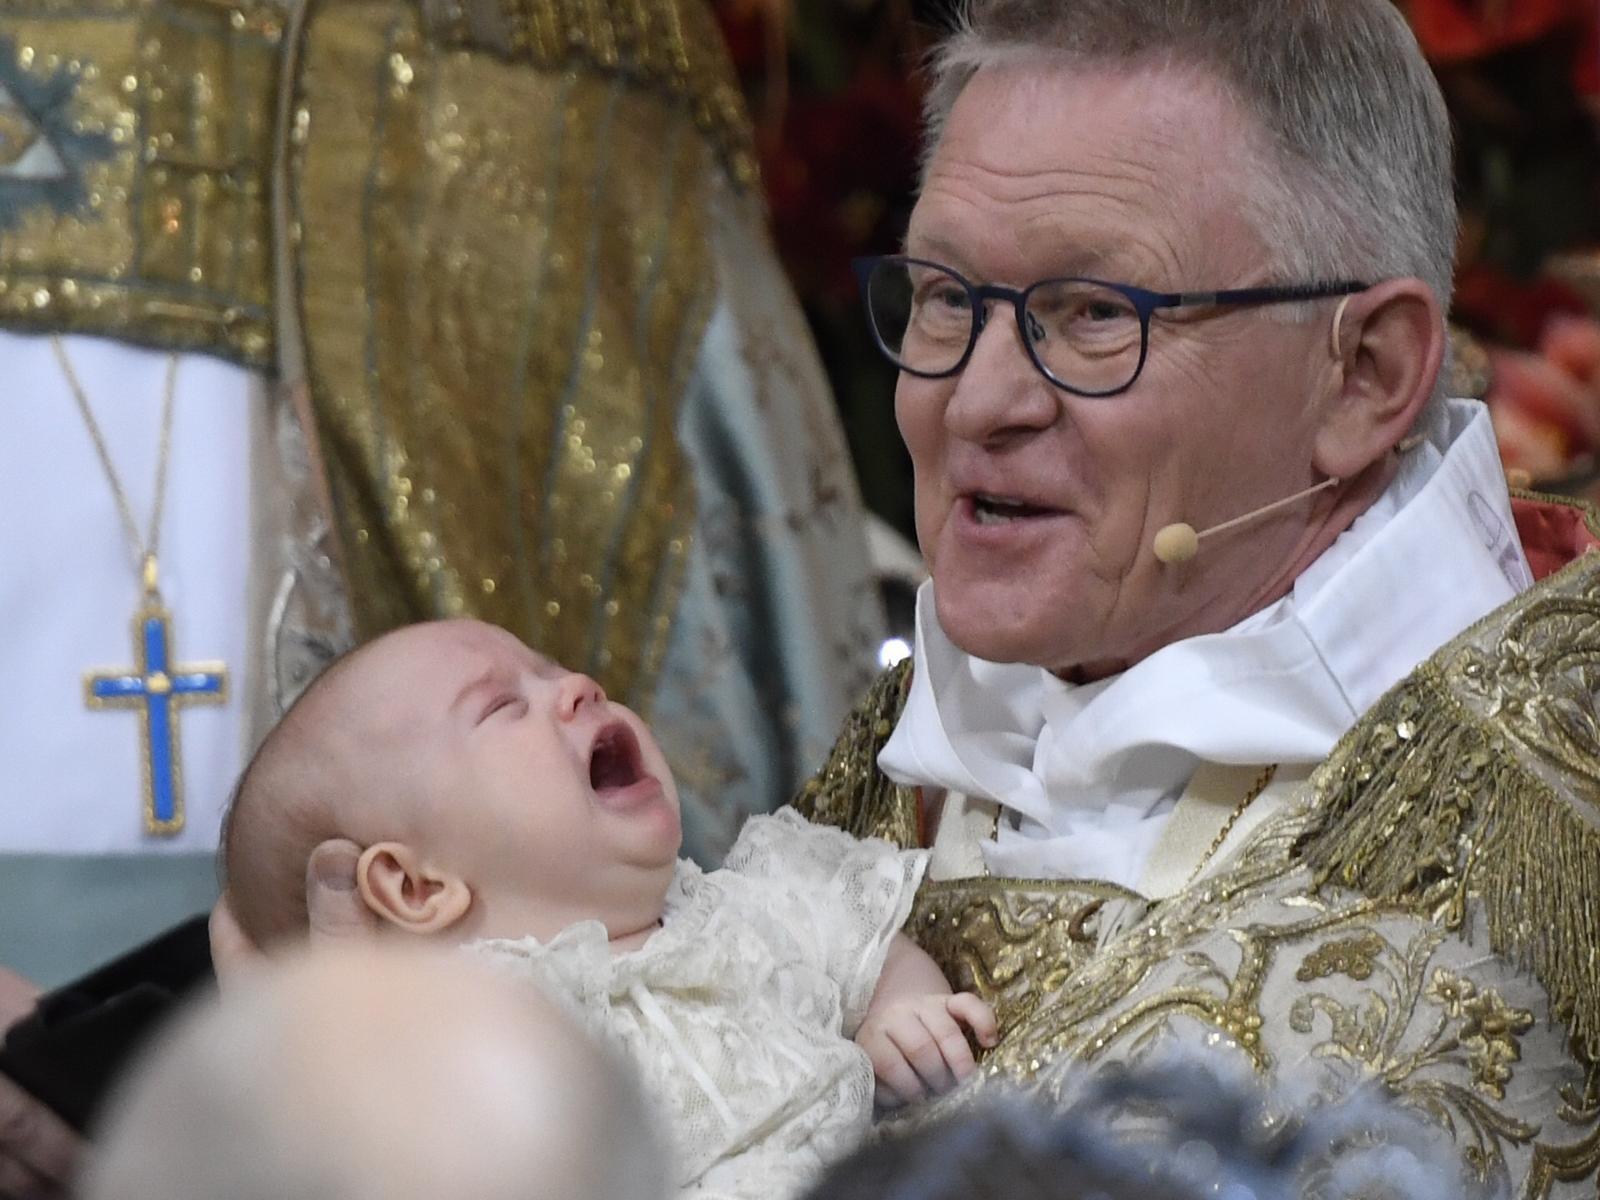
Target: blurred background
(834, 90)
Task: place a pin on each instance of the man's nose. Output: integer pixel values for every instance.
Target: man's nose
(1000, 394)
(576, 693)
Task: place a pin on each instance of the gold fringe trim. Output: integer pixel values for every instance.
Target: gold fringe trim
(1425, 801)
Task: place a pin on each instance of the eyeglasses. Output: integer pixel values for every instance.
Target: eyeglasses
(1086, 336)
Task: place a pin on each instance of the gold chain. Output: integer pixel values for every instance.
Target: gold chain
(144, 549)
(1263, 781)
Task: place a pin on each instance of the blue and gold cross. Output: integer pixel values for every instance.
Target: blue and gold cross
(157, 690)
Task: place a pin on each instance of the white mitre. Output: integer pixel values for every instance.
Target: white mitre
(1088, 776)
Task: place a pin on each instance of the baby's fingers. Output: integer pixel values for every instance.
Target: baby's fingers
(953, 1049)
(884, 1098)
(976, 1015)
(920, 1038)
(897, 1083)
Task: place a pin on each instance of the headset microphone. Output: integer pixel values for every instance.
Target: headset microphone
(1179, 543)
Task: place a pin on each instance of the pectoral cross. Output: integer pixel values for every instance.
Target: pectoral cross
(158, 690)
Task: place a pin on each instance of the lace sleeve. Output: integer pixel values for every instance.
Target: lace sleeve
(848, 896)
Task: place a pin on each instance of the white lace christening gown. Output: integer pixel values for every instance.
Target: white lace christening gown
(738, 1013)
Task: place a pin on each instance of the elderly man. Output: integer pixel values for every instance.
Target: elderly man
(1205, 724)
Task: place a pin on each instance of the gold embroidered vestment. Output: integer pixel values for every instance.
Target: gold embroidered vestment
(1424, 913)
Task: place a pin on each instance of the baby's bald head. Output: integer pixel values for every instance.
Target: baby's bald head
(340, 764)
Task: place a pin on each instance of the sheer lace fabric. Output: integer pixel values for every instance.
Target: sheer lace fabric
(738, 1012)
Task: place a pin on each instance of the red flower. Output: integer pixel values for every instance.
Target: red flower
(1452, 30)
(1546, 406)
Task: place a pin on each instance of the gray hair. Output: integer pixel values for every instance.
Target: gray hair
(1179, 1126)
(1355, 179)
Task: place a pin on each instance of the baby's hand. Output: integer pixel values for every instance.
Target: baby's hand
(917, 1046)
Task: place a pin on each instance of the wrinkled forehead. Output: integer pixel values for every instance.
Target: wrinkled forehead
(1098, 169)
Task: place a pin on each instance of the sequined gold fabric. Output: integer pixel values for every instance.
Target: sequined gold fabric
(135, 152)
(849, 791)
(1016, 942)
(1474, 787)
(1424, 915)
(668, 46)
(501, 315)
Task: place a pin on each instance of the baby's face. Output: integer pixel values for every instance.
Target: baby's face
(549, 800)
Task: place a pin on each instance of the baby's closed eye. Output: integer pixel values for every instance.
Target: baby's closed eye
(508, 706)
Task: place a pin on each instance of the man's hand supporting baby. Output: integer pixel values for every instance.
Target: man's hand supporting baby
(913, 1031)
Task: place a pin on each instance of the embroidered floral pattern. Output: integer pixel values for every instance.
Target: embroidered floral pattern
(1347, 956)
(1492, 1032)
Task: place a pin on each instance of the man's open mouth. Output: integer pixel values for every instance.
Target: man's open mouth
(614, 759)
(999, 510)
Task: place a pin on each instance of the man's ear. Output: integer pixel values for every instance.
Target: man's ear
(402, 888)
(1390, 344)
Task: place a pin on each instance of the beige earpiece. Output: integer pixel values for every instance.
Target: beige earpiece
(1335, 342)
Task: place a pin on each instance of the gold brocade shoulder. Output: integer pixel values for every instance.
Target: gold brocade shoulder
(137, 144)
(670, 45)
(135, 156)
(1478, 777)
(850, 792)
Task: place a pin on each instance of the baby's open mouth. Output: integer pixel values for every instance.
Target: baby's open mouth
(614, 759)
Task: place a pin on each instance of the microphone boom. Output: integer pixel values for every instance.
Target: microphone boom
(1179, 543)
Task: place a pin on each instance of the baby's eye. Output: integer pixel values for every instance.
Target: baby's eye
(509, 705)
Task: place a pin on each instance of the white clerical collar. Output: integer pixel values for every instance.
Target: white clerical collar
(1091, 765)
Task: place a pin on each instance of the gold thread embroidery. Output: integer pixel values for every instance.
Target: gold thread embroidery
(153, 224)
(1429, 821)
(1346, 956)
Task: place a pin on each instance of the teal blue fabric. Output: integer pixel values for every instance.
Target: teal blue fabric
(60, 915)
(779, 620)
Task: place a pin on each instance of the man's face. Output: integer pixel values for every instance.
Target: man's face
(1125, 176)
(535, 788)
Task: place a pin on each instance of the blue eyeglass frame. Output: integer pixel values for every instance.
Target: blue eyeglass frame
(1144, 301)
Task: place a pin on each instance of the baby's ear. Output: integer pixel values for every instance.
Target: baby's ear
(403, 889)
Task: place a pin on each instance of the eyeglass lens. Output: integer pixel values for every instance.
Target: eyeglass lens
(1086, 335)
